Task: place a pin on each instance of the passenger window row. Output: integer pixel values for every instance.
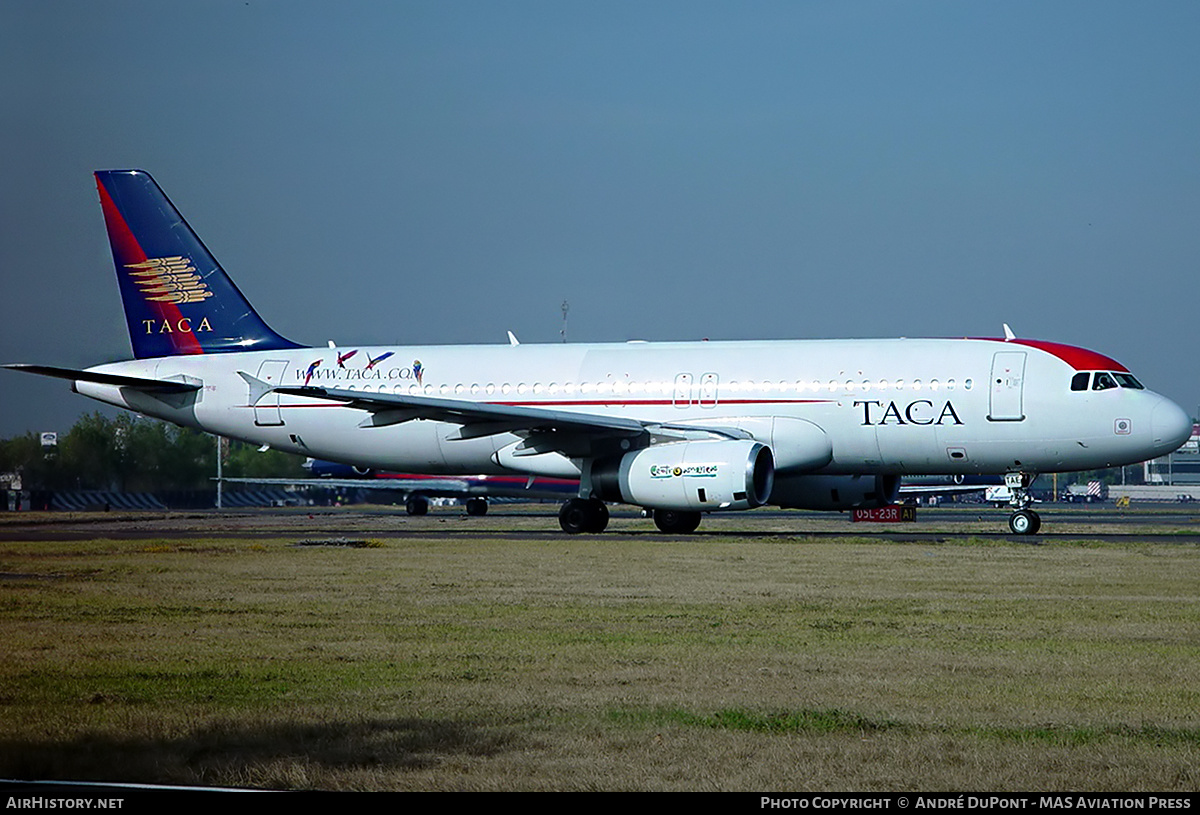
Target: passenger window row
(651, 390)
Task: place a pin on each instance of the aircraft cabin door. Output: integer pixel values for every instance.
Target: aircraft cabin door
(1007, 387)
(266, 410)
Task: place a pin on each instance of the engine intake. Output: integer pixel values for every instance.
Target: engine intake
(689, 476)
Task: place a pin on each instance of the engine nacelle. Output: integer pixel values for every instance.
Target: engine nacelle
(547, 465)
(835, 491)
(688, 476)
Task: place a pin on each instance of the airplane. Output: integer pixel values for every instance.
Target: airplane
(678, 428)
(474, 490)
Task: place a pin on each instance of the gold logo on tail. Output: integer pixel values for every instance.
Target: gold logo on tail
(169, 280)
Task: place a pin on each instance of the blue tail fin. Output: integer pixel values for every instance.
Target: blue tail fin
(178, 299)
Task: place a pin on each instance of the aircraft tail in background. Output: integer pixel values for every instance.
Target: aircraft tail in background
(177, 298)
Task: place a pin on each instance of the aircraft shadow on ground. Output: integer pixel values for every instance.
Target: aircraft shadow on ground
(269, 755)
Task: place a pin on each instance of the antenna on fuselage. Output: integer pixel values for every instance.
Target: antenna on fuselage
(565, 308)
(1008, 333)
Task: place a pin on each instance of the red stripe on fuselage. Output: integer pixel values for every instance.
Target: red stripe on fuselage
(658, 402)
(128, 250)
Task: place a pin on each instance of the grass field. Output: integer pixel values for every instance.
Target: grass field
(602, 662)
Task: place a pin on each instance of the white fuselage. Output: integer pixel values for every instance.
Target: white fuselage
(900, 406)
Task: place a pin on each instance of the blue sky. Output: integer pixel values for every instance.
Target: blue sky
(442, 172)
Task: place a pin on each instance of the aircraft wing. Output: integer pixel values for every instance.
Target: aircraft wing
(432, 486)
(544, 429)
(946, 489)
(159, 386)
(429, 486)
(925, 485)
(462, 412)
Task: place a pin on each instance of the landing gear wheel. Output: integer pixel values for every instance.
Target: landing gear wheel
(477, 506)
(417, 505)
(583, 515)
(676, 522)
(1024, 522)
(600, 518)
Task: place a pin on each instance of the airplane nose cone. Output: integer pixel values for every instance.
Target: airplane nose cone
(1170, 425)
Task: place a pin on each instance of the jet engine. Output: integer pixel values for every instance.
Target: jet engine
(835, 491)
(688, 476)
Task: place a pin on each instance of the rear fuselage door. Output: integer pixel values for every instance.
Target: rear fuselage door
(266, 411)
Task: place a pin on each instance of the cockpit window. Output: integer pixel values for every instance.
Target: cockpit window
(1105, 380)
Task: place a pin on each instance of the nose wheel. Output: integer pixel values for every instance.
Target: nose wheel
(1023, 521)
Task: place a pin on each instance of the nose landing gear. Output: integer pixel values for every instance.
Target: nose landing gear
(1023, 521)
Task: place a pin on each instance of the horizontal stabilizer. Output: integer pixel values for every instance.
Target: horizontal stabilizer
(136, 382)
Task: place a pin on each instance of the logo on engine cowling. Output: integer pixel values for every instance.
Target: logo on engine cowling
(681, 471)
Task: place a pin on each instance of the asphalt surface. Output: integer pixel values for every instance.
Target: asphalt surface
(1164, 523)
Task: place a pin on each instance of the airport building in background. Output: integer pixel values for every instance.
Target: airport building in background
(1181, 468)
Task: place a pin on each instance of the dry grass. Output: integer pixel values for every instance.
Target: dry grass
(601, 663)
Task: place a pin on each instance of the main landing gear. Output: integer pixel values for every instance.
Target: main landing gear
(418, 505)
(591, 515)
(583, 515)
(676, 522)
(1023, 521)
